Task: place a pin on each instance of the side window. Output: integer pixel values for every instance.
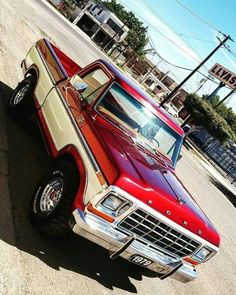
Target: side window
(95, 80)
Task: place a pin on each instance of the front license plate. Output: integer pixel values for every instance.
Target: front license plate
(140, 260)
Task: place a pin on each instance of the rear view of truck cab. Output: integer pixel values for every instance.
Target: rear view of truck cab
(113, 181)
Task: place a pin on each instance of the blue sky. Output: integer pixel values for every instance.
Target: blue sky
(193, 38)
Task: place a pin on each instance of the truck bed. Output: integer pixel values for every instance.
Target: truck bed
(60, 65)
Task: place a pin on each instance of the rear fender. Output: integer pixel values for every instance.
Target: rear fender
(32, 70)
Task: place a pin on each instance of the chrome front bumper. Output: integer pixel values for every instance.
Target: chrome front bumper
(106, 235)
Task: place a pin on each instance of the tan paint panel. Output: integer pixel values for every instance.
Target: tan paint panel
(45, 83)
(58, 121)
(63, 133)
(50, 60)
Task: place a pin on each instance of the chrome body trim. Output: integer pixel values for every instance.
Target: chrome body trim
(155, 233)
(78, 131)
(106, 235)
(109, 236)
(93, 169)
(136, 204)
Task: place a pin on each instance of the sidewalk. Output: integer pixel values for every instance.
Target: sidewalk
(205, 162)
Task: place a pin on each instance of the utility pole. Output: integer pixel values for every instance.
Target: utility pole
(124, 49)
(168, 98)
(165, 74)
(227, 96)
(202, 83)
(143, 31)
(149, 72)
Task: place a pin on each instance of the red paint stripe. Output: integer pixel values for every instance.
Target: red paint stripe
(78, 201)
(47, 134)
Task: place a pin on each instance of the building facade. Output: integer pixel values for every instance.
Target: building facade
(103, 26)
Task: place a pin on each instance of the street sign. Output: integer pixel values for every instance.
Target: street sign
(224, 75)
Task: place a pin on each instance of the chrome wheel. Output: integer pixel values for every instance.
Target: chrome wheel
(21, 94)
(51, 195)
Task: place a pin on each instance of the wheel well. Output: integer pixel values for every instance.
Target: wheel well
(70, 155)
(68, 158)
(32, 72)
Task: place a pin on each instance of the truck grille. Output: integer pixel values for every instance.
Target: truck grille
(157, 234)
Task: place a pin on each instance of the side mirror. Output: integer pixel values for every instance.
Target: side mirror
(78, 83)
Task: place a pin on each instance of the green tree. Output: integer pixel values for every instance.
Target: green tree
(137, 37)
(226, 112)
(204, 115)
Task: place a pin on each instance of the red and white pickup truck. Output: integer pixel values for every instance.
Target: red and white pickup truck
(115, 150)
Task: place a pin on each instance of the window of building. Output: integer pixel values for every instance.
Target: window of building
(114, 26)
(149, 82)
(99, 12)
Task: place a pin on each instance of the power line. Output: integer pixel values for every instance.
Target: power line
(170, 63)
(181, 48)
(162, 59)
(197, 38)
(169, 96)
(227, 47)
(198, 17)
(180, 34)
(176, 66)
(162, 34)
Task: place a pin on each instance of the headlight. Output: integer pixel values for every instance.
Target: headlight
(114, 205)
(203, 254)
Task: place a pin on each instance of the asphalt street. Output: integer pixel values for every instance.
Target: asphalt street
(34, 264)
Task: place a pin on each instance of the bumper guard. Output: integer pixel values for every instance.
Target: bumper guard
(107, 236)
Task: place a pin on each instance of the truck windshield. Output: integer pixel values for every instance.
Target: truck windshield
(119, 106)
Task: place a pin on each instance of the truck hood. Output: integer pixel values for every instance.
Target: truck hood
(149, 178)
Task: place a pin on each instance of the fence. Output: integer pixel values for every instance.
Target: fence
(225, 157)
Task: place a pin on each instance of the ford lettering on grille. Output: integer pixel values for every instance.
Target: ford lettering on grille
(156, 233)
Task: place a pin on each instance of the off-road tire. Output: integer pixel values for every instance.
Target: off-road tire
(55, 222)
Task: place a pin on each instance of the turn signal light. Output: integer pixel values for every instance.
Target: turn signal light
(100, 214)
(189, 260)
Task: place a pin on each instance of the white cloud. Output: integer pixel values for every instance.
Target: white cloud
(181, 47)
